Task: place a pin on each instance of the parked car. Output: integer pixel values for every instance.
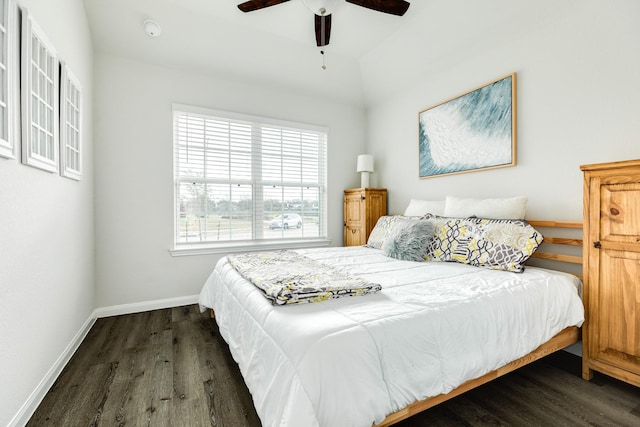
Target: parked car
(286, 221)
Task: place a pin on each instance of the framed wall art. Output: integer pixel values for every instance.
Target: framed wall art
(70, 124)
(40, 70)
(470, 132)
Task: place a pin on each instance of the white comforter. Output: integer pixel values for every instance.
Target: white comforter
(352, 361)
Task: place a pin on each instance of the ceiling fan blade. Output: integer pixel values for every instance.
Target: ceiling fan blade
(394, 7)
(251, 5)
(323, 29)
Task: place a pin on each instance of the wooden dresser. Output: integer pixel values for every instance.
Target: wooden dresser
(362, 208)
(611, 334)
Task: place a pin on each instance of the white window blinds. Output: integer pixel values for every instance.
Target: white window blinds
(242, 178)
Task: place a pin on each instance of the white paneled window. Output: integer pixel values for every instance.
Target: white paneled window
(70, 124)
(39, 97)
(8, 26)
(247, 180)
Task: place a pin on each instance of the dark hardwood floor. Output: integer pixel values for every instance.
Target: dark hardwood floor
(171, 368)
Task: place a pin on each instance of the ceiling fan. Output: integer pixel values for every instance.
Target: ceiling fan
(323, 19)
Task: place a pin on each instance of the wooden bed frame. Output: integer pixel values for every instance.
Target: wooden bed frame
(563, 339)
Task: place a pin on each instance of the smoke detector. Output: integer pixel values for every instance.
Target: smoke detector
(151, 27)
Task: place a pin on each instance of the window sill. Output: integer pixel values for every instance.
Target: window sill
(231, 247)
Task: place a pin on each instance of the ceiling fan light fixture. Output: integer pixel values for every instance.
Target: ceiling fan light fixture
(316, 6)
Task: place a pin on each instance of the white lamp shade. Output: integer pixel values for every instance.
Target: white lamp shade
(365, 163)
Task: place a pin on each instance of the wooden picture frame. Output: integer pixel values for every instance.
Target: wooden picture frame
(469, 132)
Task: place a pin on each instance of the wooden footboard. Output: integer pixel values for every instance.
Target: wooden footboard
(561, 260)
(565, 338)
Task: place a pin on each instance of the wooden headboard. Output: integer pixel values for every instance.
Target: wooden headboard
(561, 248)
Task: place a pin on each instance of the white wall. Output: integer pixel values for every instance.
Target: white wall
(134, 175)
(46, 236)
(578, 88)
(578, 102)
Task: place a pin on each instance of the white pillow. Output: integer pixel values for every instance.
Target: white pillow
(422, 207)
(509, 208)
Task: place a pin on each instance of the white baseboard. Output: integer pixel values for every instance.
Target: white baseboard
(30, 406)
(137, 307)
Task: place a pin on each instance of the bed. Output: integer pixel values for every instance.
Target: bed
(435, 330)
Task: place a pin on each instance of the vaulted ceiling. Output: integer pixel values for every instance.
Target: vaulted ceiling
(369, 51)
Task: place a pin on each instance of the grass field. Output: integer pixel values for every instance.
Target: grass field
(214, 227)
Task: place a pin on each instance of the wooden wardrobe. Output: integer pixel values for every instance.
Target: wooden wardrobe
(611, 333)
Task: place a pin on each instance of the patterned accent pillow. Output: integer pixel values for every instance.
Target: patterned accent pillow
(382, 229)
(408, 240)
(439, 246)
(491, 243)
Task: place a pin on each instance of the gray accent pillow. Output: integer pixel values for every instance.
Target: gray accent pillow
(408, 239)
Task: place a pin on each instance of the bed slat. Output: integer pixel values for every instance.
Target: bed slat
(546, 254)
(558, 257)
(563, 241)
(555, 224)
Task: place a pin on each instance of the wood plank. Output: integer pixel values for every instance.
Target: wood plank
(555, 224)
(87, 407)
(189, 404)
(563, 241)
(563, 339)
(605, 166)
(558, 257)
(138, 381)
(223, 380)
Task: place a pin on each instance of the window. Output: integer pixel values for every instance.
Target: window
(247, 181)
(70, 124)
(7, 66)
(39, 98)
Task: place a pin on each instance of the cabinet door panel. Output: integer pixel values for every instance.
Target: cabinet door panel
(619, 213)
(617, 310)
(376, 207)
(353, 237)
(353, 208)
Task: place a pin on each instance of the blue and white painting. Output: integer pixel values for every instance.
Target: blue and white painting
(472, 131)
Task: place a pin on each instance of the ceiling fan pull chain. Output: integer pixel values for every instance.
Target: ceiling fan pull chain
(324, 67)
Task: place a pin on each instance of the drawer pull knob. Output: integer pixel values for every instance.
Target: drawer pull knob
(597, 245)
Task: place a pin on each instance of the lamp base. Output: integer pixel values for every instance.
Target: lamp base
(364, 180)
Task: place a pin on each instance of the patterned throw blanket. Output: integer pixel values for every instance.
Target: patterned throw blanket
(286, 277)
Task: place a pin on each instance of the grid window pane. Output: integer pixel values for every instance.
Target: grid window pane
(242, 180)
(40, 91)
(70, 130)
